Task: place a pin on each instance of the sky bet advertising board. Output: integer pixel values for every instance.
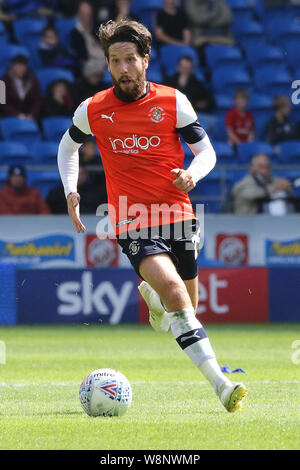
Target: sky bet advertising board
(77, 296)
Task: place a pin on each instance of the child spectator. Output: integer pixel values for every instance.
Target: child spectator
(23, 95)
(239, 122)
(280, 127)
(17, 198)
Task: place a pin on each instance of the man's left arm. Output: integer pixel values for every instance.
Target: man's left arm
(196, 138)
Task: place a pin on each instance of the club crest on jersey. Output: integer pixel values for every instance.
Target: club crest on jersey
(134, 247)
(157, 114)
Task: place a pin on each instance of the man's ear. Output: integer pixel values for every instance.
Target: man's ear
(146, 61)
(107, 63)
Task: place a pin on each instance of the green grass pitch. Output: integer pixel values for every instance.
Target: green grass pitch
(173, 407)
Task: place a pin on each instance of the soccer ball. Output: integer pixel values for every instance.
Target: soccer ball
(105, 392)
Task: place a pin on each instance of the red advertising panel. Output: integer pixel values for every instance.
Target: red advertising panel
(228, 295)
(101, 252)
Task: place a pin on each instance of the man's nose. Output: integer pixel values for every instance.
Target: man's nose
(124, 67)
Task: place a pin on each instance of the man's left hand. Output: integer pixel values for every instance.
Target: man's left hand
(184, 180)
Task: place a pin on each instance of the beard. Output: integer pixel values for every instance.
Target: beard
(135, 92)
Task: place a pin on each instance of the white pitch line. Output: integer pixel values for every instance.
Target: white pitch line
(73, 384)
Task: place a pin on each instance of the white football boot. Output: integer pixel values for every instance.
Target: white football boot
(157, 314)
(231, 396)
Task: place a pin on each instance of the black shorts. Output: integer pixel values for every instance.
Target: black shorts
(181, 241)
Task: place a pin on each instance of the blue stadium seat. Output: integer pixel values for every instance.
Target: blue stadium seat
(247, 150)
(207, 121)
(55, 127)
(220, 133)
(3, 178)
(107, 78)
(260, 102)
(276, 22)
(170, 56)
(230, 78)
(289, 152)
(28, 30)
(9, 51)
(3, 34)
(225, 154)
(20, 130)
(270, 55)
(224, 102)
(154, 72)
(209, 186)
(236, 5)
(49, 75)
(18, 7)
(272, 80)
(246, 29)
(44, 181)
(260, 120)
(64, 27)
(14, 153)
(138, 6)
(290, 46)
(45, 153)
(219, 55)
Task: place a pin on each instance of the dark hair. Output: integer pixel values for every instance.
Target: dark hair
(280, 101)
(125, 31)
(186, 57)
(242, 92)
(49, 28)
(19, 59)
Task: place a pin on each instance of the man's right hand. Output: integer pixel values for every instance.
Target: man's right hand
(73, 200)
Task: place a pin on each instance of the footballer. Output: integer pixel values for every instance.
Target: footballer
(137, 125)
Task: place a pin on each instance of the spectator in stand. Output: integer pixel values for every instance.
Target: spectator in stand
(58, 100)
(122, 11)
(17, 198)
(172, 26)
(280, 127)
(90, 196)
(260, 192)
(89, 157)
(239, 122)
(52, 52)
(84, 41)
(23, 95)
(91, 82)
(88, 154)
(187, 82)
(210, 21)
(7, 18)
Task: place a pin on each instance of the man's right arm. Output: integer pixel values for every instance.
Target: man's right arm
(68, 161)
